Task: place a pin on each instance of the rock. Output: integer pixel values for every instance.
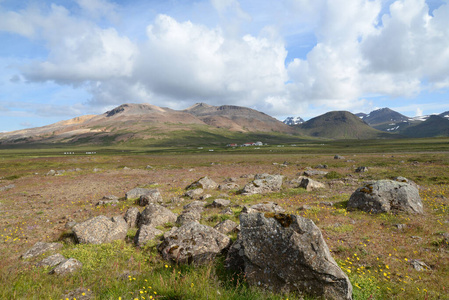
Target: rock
(228, 186)
(107, 202)
(231, 179)
(79, 294)
(136, 193)
(110, 198)
(263, 207)
(51, 261)
(339, 157)
(194, 194)
(51, 173)
(220, 203)
(204, 183)
(7, 187)
(70, 224)
(193, 243)
(311, 185)
(226, 226)
(100, 229)
(385, 196)
(205, 196)
(195, 205)
(314, 173)
(40, 248)
(263, 183)
(145, 234)
(327, 203)
(247, 176)
(305, 207)
(400, 226)
(188, 216)
(68, 266)
(321, 167)
(148, 167)
(361, 170)
(403, 179)
(131, 216)
(152, 196)
(419, 265)
(155, 215)
(287, 253)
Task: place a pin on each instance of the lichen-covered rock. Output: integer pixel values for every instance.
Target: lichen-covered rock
(287, 253)
(136, 193)
(228, 186)
(314, 173)
(263, 183)
(263, 207)
(310, 184)
(226, 226)
(69, 266)
(52, 260)
(155, 215)
(204, 183)
(361, 169)
(220, 203)
(195, 205)
(188, 216)
(193, 243)
(145, 234)
(195, 193)
(40, 248)
(131, 216)
(152, 196)
(386, 195)
(100, 229)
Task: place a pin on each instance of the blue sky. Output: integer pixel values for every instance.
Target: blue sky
(61, 59)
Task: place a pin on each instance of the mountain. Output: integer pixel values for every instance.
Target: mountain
(433, 126)
(293, 121)
(385, 119)
(150, 124)
(361, 115)
(340, 125)
(445, 114)
(236, 118)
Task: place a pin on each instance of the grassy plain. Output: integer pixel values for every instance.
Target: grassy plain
(373, 252)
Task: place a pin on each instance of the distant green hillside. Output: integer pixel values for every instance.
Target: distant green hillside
(341, 125)
(434, 126)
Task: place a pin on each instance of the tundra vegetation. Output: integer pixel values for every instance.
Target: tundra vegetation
(378, 252)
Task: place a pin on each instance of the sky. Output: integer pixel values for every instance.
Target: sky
(65, 58)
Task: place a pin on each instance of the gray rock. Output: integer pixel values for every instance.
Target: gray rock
(110, 198)
(155, 215)
(131, 216)
(219, 203)
(51, 261)
(263, 183)
(188, 216)
(68, 266)
(195, 193)
(263, 207)
(287, 253)
(228, 186)
(100, 229)
(152, 196)
(107, 202)
(51, 173)
(204, 183)
(314, 173)
(226, 226)
(400, 226)
(195, 205)
(311, 185)
(136, 193)
(145, 234)
(361, 169)
(403, 179)
(40, 248)
(193, 243)
(385, 196)
(339, 157)
(419, 265)
(321, 166)
(227, 211)
(7, 187)
(205, 196)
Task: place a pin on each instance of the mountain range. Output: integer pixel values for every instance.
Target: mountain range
(146, 124)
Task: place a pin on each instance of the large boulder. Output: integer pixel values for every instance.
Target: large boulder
(310, 184)
(101, 229)
(287, 253)
(193, 243)
(263, 183)
(155, 215)
(188, 216)
(131, 216)
(136, 193)
(314, 173)
(386, 195)
(145, 234)
(152, 196)
(204, 183)
(226, 226)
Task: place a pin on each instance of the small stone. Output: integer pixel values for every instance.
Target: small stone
(69, 266)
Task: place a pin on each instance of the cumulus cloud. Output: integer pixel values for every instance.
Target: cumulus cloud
(362, 49)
